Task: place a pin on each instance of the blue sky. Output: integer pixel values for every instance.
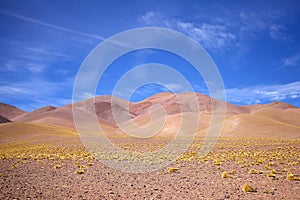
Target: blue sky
(255, 45)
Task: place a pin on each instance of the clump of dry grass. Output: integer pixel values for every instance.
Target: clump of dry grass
(253, 171)
(225, 175)
(173, 169)
(248, 188)
(291, 177)
(57, 166)
(79, 171)
(271, 175)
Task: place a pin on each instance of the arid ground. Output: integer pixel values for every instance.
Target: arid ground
(256, 157)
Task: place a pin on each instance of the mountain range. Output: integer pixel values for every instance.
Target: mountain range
(276, 119)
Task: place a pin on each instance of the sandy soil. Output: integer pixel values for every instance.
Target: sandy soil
(40, 179)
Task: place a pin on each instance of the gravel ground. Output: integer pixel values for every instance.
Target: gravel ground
(39, 180)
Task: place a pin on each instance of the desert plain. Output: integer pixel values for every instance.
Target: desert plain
(257, 155)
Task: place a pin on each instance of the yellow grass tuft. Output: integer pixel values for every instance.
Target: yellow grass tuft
(225, 175)
(291, 177)
(271, 175)
(57, 167)
(218, 162)
(247, 188)
(253, 171)
(41, 162)
(173, 169)
(284, 170)
(273, 171)
(80, 171)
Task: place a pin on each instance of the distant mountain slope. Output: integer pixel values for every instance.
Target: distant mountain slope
(245, 125)
(287, 116)
(3, 119)
(9, 111)
(36, 114)
(164, 110)
(276, 104)
(61, 116)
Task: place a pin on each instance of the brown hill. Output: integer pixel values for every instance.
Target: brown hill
(287, 116)
(183, 102)
(109, 108)
(3, 119)
(36, 113)
(276, 104)
(256, 126)
(9, 111)
(49, 115)
(163, 111)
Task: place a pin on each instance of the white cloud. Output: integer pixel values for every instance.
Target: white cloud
(277, 32)
(35, 68)
(262, 93)
(175, 87)
(36, 53)
(211, 36)
(39, 92)
(157, 19)
(9, 67)
(139, 73)
(221, 32)
(32, 20)
(253, 21)
(30, 58)
(33, 87)
(60, 28)
(293, 60)
(87, 95)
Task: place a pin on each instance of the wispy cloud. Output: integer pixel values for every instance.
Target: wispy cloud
(39, 92)
(154, 18)
(33, 87)
(37, 53)
(211, 36)
(60, 28)
(175, 87)
(264, 93)
(30, 58)
(32, 20)
(218, 33)
(293, 60)
(252, 21)
(277, 32)
(35, 68)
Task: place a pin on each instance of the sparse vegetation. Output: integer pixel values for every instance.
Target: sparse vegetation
(173, 169)
(233, 159)
(224, 175)
(247, 188)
